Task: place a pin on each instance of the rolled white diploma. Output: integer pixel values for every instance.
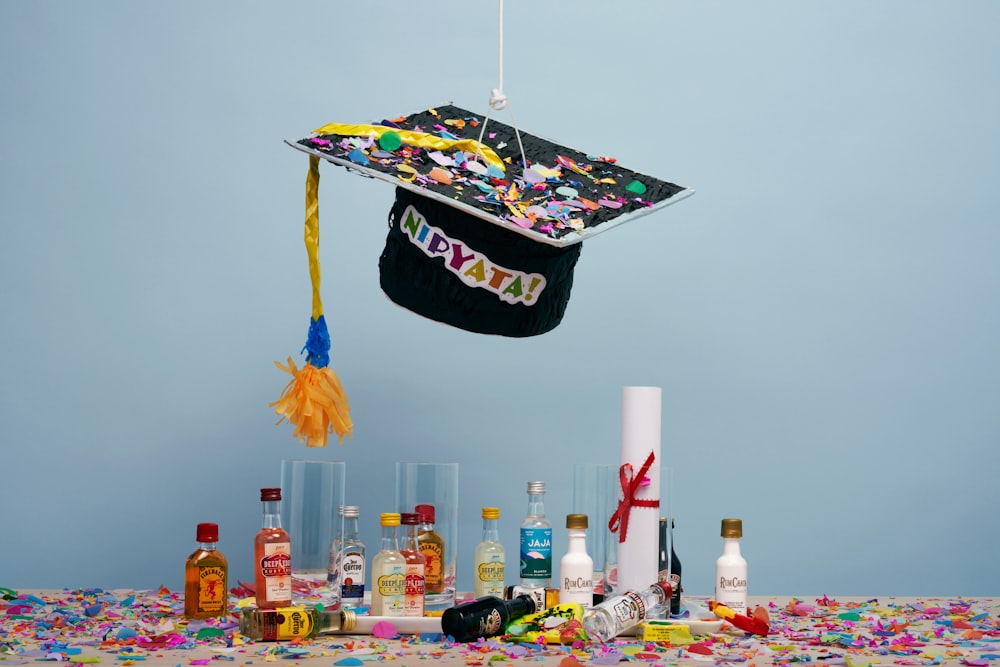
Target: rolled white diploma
(638, 554)
(357, 624)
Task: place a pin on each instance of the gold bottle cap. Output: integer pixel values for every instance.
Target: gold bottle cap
(577, 521)
(348, 619)
(389, 518)
(732, 528)
(491, 512)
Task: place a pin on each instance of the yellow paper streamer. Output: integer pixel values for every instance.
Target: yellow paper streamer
(315, 403)
(421, 139)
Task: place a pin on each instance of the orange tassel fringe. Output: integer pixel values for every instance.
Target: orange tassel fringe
(315, 403)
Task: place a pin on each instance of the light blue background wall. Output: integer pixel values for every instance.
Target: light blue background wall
(822, 315)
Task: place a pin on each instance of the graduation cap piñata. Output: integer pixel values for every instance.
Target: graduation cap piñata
(484, 234)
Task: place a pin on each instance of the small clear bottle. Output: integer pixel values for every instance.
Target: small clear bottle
(576, 568)
(731, 569)
(623, 612)
(336, 550)
(536, 541)
(352, 562)
(287, 623)
(489, 559)
(206, 576)
(388, 571)
(413, 598)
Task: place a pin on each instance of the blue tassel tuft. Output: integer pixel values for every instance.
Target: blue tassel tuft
(317, 346)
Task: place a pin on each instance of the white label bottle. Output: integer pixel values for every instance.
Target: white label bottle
(576, 569)
(352, 561)
(489, 575)
(731, 569)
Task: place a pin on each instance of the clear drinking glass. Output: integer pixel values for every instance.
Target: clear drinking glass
(311, 493)
(594, 495)
(434, 484)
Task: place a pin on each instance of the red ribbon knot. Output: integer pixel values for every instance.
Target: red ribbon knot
(630, 484)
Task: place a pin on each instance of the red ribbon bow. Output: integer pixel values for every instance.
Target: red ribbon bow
(630, 484)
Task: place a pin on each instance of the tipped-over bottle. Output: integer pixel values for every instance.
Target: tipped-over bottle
(622, 612)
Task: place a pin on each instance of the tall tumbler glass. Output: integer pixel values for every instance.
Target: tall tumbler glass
(594, 494)
(311, 495)
(431, 490)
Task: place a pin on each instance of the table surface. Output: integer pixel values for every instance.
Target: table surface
(122, 627)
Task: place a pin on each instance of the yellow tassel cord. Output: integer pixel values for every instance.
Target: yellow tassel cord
(314, 401)
(421, 139)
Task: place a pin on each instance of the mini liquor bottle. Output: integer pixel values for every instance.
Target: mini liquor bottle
(485, 617)
(388, 571)
(413, 599)
(286, 623)
(622, 612)
(670, 565)
(432, 546)
(536, 540)
(489, 559)
(336, 550)
(576, 569)
(352, 561)
(731, 569)
(206, 575)
(272, 556)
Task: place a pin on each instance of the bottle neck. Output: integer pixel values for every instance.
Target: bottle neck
(577, 541)
(208, 546)
(536, 504)
(653, 596)
(410, 538)
(389, 540)
(520, 606)
(491, 533)
(351, 528)
(731, 546)
(272, 514)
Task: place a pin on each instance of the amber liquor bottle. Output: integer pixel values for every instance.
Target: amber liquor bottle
(432, 546)
(206, 576)
(272, 550)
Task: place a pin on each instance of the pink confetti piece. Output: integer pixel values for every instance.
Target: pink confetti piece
(384, 630)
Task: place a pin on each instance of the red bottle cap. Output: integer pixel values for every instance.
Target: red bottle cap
(409, 518)
(270, 494)
(668, 590)
(426, 513)
(208, 532)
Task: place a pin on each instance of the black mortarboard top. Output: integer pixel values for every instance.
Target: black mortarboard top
(487, 223)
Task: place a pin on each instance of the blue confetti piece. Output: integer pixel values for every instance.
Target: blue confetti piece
(92, 610)
(349, 662)
(127, 602)
(358, 156)
(125, 633)
(431, 637)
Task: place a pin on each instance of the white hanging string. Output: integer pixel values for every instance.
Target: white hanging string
(498, 100)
